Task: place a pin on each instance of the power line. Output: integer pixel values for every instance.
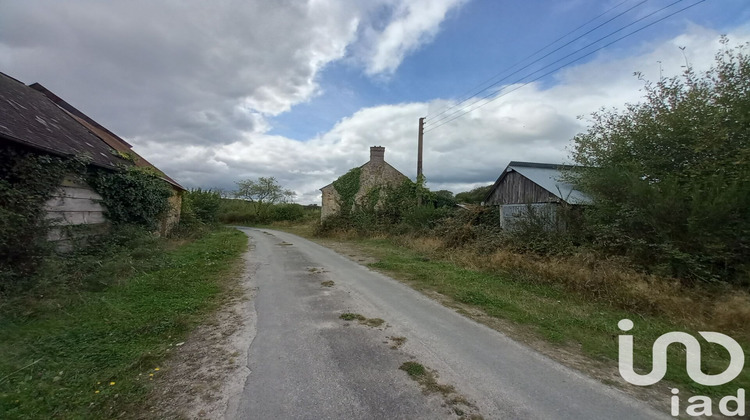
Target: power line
(564, 65)
(556, 61)
(468, 94)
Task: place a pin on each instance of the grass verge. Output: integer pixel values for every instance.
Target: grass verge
(550, 312)
(90, 352)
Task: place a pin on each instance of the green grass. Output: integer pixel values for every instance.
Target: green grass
(414, 369)
(57, 355)
(348, 316)
(548, 311)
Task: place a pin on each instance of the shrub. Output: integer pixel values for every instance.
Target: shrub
(204, 204)
(27, 181)
(671, 176)
(133, 196)
(287, 213)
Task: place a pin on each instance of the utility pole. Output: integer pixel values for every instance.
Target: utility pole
(419, 148)
(419, 157)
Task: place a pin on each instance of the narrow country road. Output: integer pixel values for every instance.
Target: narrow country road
(307, 363)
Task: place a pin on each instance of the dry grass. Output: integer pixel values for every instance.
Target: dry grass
(609, 281)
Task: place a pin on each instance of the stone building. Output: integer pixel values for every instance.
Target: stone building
(375, 173)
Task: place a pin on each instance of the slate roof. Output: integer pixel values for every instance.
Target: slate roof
(29, 118)
(548, 176)
(113, 140)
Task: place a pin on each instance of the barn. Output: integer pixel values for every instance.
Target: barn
(34, 120)
(540, 187)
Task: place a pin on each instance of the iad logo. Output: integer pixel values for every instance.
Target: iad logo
(701, 405)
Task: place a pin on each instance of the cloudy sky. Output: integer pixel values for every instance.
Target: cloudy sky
(215, 92)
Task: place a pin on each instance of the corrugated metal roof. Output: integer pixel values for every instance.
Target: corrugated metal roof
(548, 176)
(30, 118)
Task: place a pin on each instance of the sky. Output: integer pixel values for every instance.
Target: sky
(217, 92)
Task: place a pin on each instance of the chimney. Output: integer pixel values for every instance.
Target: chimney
(377, 154)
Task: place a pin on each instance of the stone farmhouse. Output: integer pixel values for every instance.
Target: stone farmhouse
(375, 173)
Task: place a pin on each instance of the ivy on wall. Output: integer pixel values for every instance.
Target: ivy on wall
(347, 187)
(27, 181)
(134, 195)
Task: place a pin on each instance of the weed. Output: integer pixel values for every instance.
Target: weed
(397, 342)
(372, 322)
(414, 369)
(348, 316)
(427, 379)
(327, 283)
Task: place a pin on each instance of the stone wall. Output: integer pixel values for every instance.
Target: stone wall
(375, 173)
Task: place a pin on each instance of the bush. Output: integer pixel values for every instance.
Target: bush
(204, 204)
(287, 213)
(671, 176)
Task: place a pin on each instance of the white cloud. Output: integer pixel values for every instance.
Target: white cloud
(189, 71)
(413, 24)
(191, 85)
(534, 123)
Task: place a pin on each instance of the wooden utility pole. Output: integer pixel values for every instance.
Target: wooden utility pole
(419, 148)
(419, 157)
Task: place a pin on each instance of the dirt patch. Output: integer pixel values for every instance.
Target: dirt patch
(210, 367)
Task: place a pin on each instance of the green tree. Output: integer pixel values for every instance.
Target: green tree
(670, 176)
(444, 198)
(264, 193)
(204, 204)
(474, 196)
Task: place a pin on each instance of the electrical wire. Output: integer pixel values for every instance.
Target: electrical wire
(469, 94)
(564, 65)
(556, 61)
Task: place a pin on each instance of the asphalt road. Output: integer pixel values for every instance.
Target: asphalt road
(307, 363)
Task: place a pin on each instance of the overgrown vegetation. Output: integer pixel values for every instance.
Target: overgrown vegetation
(535, 295)
(242, 212)
(27, 181)
(671, 175)
(86, 342)
(475, 196)
(402, 208)
(263, 201)
(133, 195)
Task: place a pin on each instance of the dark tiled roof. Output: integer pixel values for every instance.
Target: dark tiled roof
(30, 118)
(113, 140)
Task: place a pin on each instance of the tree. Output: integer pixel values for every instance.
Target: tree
(671, 176)
(444, 198)
(263, 192)
(474, 196)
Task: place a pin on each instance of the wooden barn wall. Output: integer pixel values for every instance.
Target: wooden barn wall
(517, 189)
(74, 204)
